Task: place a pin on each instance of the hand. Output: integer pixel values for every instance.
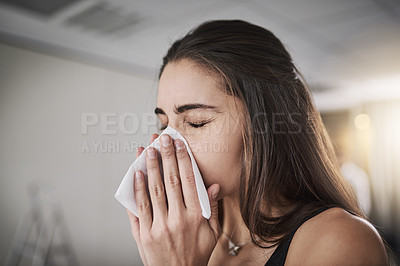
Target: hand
(177, 234)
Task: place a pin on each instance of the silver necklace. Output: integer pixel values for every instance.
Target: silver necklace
(234, 248)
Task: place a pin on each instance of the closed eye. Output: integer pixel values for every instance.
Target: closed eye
(194, 125)
(197, 125)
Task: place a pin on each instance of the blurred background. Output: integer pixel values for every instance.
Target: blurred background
(78, 85)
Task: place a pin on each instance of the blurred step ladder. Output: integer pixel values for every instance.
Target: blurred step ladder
(35, 239)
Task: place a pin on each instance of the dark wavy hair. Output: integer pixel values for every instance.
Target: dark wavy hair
(288, 160)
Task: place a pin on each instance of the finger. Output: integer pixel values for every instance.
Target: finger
(135, 227)
(155, 183)
(134, 221)
(139, 151)
(187, 177)
(171, 176)
(153, 137)
(142, 202)
(213, 197)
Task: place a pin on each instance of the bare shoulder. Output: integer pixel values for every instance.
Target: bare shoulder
(336, 237)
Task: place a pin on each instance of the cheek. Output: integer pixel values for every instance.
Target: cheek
(219, 161)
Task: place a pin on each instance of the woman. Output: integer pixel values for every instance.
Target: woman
(275, 189)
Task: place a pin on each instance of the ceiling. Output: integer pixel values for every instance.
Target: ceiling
(339, 45)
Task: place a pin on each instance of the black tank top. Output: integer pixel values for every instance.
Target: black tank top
(279, 256)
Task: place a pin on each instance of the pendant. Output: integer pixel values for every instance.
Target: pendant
(233, 248)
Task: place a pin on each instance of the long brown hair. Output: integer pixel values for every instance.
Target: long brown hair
(288, 159)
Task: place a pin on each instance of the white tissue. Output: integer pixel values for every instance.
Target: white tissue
(125, 193)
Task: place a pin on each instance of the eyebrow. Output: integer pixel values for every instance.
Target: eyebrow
(186, 107)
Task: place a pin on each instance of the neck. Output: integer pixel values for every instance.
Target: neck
(233, 224)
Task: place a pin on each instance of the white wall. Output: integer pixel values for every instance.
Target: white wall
(42, 99)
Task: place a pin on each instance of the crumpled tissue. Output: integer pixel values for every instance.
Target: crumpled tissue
(126, 194)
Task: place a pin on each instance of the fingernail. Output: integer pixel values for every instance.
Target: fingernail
(179, 144)
(138, 176)
(151, 152)
(214, 193)
(165, 140)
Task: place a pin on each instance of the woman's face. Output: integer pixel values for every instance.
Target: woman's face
(191, 101)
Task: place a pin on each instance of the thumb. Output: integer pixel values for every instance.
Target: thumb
(214, 221)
